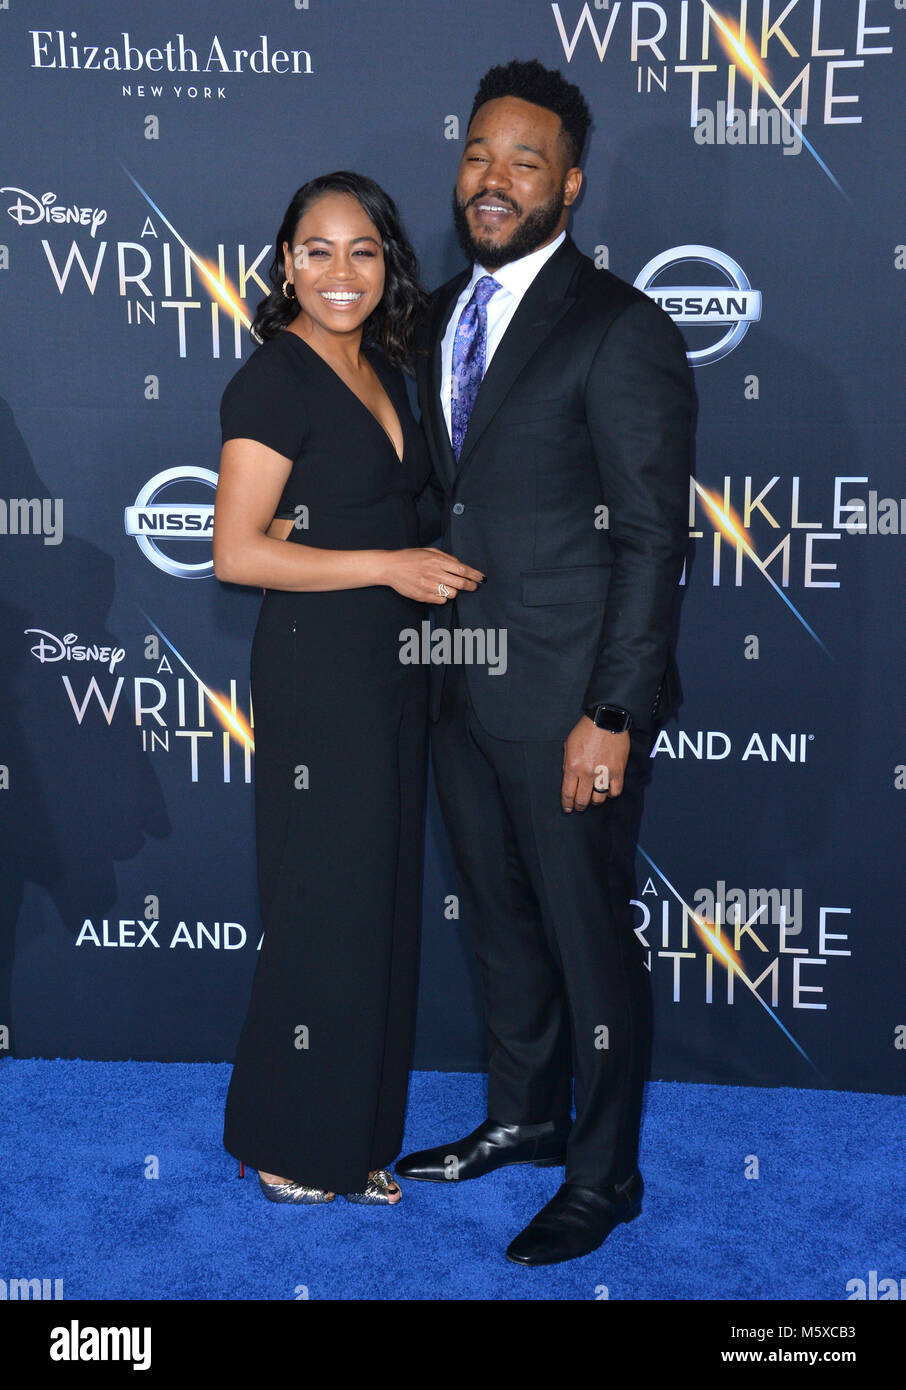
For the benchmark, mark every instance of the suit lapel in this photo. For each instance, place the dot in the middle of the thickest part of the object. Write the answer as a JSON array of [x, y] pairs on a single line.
[[443, 307], [542, 306]]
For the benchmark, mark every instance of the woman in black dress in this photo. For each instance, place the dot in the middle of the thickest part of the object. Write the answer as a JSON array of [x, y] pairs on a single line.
[[324, 500]]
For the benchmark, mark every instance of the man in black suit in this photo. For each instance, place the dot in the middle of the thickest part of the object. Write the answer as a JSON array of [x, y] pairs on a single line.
[[559, 409]]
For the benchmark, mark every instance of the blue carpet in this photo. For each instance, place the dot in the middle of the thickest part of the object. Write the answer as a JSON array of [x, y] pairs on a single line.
[[826, 1208]]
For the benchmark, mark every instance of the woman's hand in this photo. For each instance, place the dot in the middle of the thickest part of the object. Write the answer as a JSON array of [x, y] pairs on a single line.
[[424, 573]]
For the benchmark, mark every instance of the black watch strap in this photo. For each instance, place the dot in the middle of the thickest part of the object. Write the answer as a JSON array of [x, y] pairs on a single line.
[[612, 717]]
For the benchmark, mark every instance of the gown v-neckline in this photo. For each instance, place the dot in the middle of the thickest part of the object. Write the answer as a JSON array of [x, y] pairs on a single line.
[[345, 384]]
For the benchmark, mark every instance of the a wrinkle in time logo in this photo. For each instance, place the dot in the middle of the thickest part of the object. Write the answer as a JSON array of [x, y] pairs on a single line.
[[161, 280], [761, 945], [797, 60], [167, 527], [695, 302], [200, 727]]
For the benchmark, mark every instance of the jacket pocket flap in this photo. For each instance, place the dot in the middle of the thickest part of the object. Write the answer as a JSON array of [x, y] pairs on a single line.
[[576, 584]]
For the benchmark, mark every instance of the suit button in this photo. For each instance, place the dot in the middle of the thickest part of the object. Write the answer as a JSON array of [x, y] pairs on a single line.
[[458, 509]]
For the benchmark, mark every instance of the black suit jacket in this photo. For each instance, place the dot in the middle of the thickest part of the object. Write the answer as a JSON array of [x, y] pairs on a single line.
[[588, 401]]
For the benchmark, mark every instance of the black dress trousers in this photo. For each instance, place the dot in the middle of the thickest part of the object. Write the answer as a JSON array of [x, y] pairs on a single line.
[[547, 897]]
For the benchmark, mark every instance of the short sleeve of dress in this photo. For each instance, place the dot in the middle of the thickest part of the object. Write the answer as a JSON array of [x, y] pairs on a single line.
[[263, 402]]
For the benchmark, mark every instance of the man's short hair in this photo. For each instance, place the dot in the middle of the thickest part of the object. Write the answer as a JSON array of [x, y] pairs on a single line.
[[530, 81]]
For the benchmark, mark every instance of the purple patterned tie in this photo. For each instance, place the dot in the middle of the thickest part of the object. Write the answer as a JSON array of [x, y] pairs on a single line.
[[469, 346]]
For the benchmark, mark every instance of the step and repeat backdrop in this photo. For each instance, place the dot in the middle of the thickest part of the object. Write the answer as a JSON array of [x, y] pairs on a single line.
[[746, 170]]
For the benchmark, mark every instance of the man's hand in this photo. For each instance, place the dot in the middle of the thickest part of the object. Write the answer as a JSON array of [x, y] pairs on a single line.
[[594, 761]]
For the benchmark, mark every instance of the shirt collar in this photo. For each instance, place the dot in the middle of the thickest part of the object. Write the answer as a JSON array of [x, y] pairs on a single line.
[[516, 276]]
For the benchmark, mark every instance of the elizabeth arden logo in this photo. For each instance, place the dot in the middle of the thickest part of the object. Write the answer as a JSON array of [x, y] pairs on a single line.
[[59, 49]]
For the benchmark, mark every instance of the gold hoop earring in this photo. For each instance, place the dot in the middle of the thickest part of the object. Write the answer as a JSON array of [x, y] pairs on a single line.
[[285, 295]]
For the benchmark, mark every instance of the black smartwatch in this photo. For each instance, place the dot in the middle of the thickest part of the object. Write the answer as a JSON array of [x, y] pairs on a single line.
[[612, 717]]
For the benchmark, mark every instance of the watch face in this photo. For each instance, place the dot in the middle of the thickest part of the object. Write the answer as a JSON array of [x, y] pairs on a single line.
[[616, 721]]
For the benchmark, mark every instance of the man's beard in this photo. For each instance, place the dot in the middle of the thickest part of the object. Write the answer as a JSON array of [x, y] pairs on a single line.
[[528, 236]]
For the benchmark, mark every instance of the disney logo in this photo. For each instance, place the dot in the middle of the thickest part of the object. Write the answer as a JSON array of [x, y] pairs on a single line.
[[50, 648], [29, 209]]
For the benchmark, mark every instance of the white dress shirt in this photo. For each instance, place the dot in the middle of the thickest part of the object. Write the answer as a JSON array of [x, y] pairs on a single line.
[[514, 279]]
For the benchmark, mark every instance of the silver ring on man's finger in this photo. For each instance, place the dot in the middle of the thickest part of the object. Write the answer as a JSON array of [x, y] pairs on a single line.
[[443, 591]]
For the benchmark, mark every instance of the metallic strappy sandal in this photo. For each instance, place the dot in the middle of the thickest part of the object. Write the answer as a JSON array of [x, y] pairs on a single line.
[[378, 1191], [294, 1192]]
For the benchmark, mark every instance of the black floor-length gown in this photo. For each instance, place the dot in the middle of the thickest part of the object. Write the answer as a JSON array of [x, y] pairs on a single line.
[[318, 1087]]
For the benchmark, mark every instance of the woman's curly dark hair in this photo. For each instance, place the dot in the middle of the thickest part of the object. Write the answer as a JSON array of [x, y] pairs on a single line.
[[391, 326]]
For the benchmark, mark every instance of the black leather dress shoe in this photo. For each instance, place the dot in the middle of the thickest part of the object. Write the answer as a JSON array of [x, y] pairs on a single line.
[[576, 1221], [490, 1146]]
